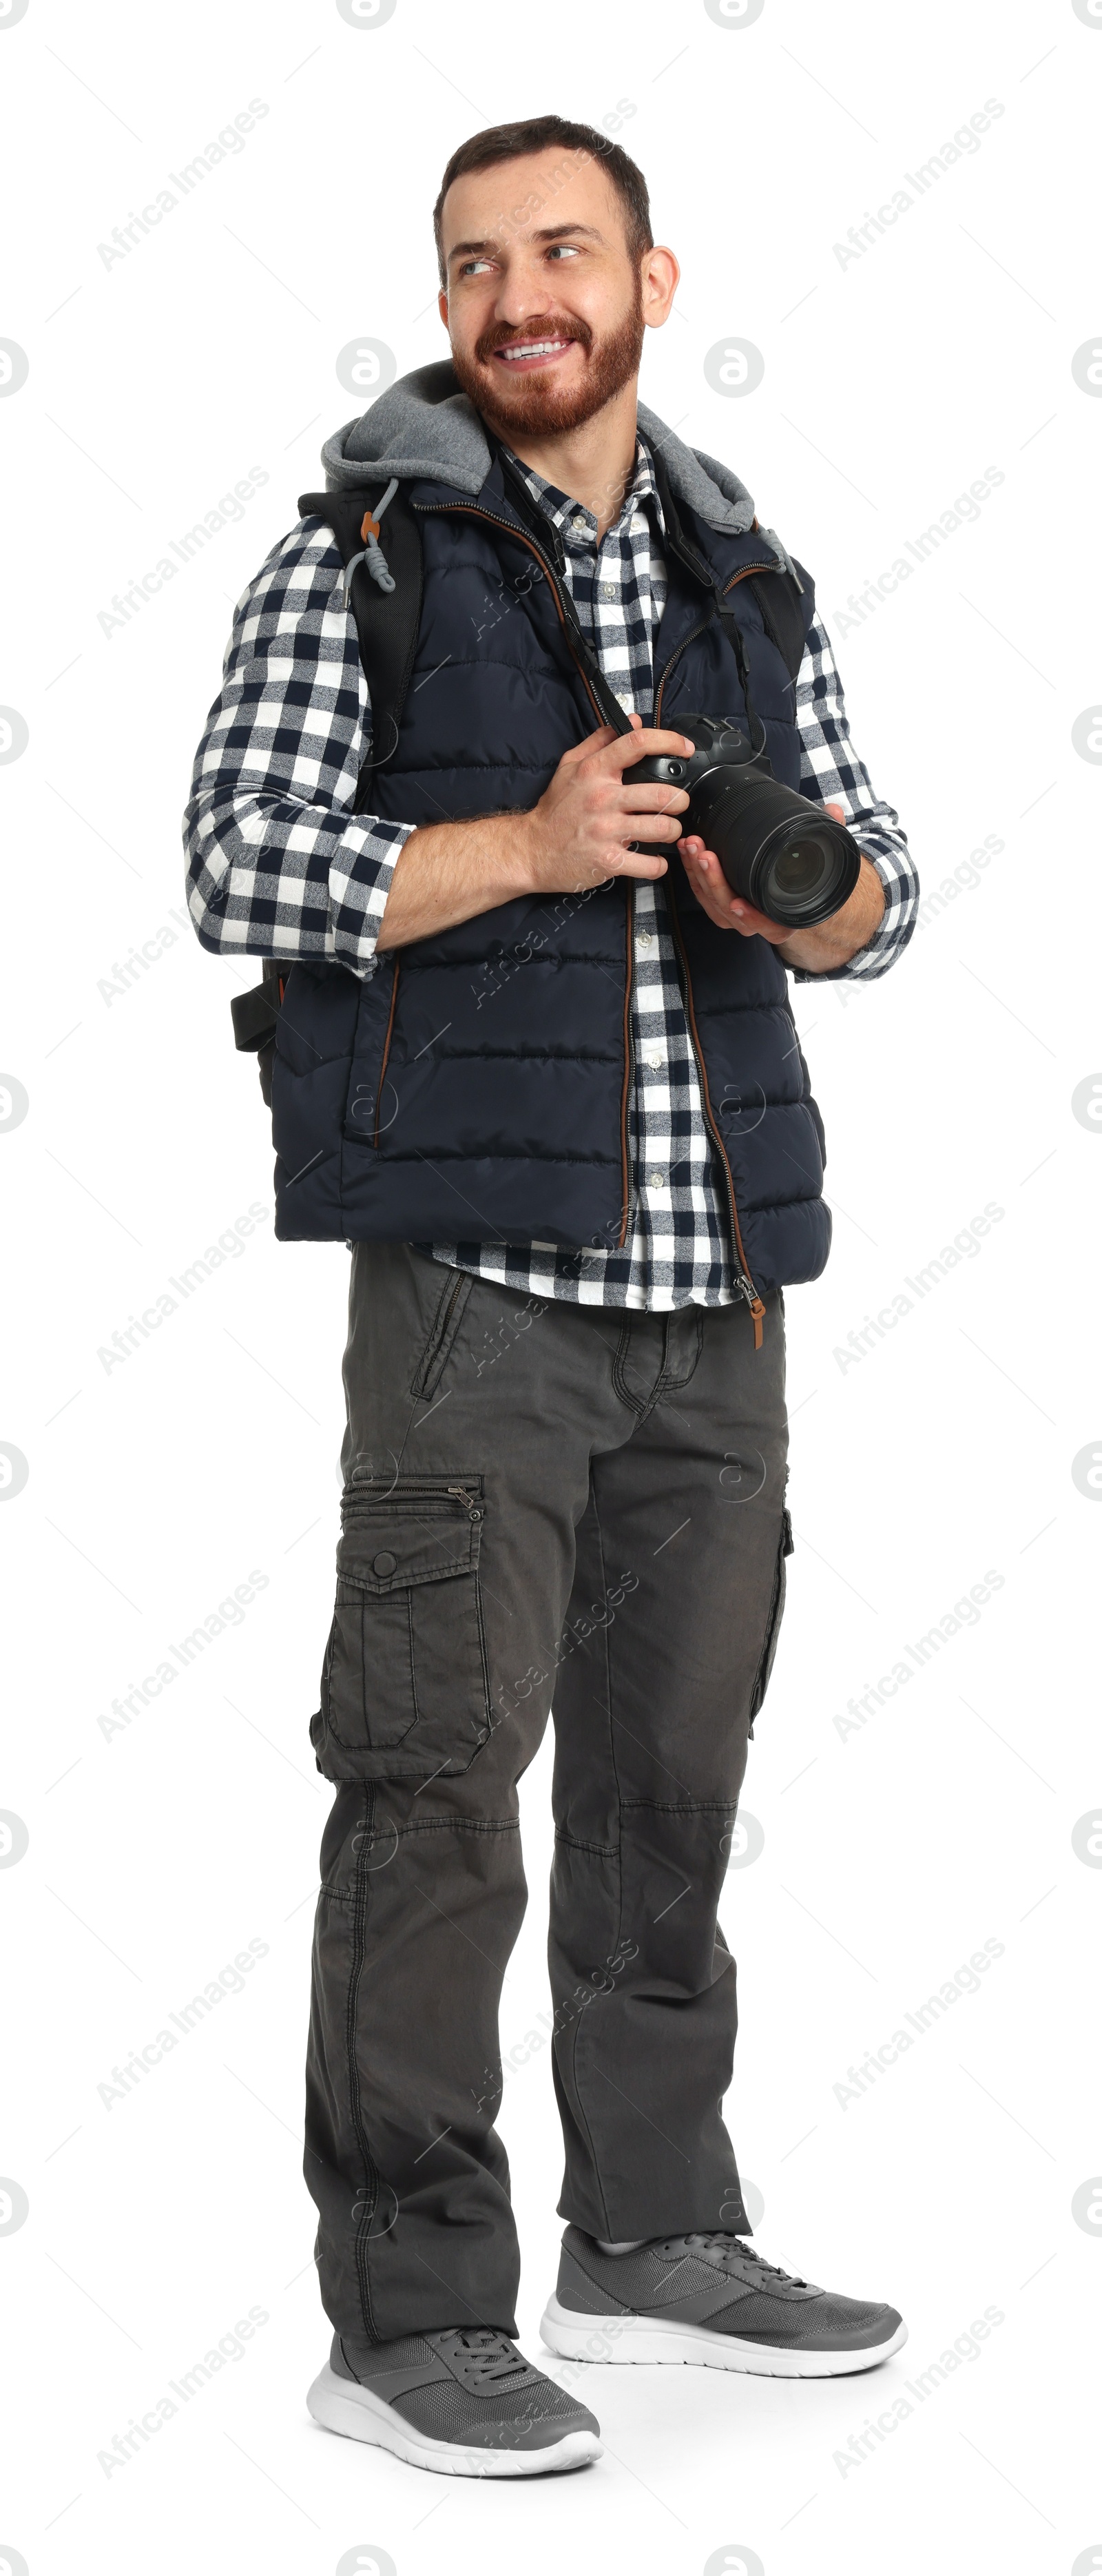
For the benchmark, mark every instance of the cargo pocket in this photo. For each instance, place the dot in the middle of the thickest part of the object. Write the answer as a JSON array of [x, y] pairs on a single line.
[[773, 1625], [404, 1688]]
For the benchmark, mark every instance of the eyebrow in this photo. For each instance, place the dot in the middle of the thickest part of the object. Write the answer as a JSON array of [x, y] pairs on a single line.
[[548, 233]]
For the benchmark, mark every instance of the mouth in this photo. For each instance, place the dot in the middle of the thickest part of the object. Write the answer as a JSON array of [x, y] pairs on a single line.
[[521, 356]]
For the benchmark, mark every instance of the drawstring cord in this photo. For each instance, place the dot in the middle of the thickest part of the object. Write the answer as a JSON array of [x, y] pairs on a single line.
[[372, 554]]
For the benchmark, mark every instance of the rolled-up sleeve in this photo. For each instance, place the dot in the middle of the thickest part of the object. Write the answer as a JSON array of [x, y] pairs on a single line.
[[278, 863], [832, 772]]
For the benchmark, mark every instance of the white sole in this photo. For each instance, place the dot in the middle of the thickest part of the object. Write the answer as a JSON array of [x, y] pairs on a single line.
[[661, 2339], [343, 2406]]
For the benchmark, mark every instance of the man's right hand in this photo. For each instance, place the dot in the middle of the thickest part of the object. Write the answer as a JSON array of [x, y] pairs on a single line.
[[580, 833], [577, 837]]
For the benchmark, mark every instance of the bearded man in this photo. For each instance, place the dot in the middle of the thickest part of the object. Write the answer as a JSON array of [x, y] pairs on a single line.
[[534, 1061]]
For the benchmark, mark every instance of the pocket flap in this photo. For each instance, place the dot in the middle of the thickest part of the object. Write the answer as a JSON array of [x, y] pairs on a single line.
[[392, 1541]]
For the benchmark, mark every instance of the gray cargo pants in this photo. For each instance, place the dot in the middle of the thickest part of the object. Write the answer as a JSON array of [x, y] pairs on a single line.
[[541, 1501]]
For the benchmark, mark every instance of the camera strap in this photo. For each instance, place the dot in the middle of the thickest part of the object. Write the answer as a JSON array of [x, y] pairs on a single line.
[[546, 536], [737, 642]]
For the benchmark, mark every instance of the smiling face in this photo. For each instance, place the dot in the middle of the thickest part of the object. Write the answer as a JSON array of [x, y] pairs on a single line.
[[544, 304]]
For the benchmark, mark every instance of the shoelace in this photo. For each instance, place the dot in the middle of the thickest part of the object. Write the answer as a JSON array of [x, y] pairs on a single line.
[[488, 2354], [701, 2243]]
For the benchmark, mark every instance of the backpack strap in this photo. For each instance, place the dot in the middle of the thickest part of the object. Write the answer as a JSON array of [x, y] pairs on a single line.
[[387, 621], [781, 603]]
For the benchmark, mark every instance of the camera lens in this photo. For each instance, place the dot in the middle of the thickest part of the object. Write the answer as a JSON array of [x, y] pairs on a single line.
[[799, 871], [803, 876]]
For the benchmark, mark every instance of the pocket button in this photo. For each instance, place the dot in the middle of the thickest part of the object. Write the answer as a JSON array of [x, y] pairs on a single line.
[[384, 1564]]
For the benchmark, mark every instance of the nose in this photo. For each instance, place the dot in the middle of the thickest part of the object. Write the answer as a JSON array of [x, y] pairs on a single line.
[[518, 307]]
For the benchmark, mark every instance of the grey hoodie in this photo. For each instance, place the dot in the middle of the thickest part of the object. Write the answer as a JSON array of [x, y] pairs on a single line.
[[425, 427]]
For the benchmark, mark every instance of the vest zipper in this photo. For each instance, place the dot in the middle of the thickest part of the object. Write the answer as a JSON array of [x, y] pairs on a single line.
[[629, 1069], [690, 638], [746, 1286], [440, 509], [755, 1302]]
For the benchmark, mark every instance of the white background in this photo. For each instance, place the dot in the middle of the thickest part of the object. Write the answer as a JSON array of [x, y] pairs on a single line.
[[157, 1485]]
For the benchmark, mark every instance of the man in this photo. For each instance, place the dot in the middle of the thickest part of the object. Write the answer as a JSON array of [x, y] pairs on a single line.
[[537, 1064]]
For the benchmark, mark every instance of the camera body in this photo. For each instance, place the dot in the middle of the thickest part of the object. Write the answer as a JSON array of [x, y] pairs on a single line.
[[779, 851]]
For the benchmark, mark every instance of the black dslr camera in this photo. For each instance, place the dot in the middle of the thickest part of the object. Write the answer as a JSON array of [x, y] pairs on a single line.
[[778, 851]]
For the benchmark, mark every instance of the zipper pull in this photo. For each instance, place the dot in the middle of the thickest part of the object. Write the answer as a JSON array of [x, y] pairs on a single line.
[[462, 1496], [756, 1305]]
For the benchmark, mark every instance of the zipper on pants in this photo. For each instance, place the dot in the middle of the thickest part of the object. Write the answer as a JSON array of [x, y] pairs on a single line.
[[427, 1489]]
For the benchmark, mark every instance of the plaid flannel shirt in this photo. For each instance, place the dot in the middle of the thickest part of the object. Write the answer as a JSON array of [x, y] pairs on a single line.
[[279, 866]]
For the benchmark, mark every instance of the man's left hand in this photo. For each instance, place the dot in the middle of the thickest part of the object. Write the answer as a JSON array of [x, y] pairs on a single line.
[[829, 943]]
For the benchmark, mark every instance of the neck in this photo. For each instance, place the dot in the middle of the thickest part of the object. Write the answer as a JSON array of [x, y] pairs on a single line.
[[592, 464]]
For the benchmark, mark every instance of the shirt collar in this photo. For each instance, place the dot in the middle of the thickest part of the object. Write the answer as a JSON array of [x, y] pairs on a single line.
[[577, 526]]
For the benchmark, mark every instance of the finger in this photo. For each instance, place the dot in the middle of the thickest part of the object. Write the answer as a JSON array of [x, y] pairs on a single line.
[[706, 876], [651, 827], [711, 883], [710, 886], [695, 854], [626, 862], [644, 744], [838, 811], [598, 741], [709, 901], [648, 798]]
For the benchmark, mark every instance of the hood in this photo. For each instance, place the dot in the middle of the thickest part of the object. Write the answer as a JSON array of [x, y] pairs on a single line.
[[424, 427]]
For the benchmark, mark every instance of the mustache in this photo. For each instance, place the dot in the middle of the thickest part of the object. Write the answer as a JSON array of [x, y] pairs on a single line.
[[501, 335]]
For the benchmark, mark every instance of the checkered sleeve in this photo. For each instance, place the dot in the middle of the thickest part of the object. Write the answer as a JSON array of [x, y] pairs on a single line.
[[278, 864], [831, 771]]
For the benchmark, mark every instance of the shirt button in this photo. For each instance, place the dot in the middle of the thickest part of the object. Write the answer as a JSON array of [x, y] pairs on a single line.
[[609, 590], [646, 939], [658, 1180], [384, 1564]]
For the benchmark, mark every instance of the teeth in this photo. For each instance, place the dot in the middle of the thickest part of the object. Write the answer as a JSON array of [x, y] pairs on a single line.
[[534, 348]]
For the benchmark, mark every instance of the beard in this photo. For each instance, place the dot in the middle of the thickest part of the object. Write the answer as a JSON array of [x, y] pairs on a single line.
[[534, 405]]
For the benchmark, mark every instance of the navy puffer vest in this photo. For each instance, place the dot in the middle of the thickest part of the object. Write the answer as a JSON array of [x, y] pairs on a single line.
[[476, 1087]]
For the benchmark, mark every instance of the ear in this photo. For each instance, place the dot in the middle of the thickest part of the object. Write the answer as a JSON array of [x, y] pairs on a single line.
[[442, 306], [660, 278]]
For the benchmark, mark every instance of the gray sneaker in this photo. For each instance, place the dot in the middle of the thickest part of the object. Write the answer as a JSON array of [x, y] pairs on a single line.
[[462, 2400], [710, 2299]]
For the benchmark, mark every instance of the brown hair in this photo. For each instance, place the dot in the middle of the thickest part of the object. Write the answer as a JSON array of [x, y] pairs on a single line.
[[536, 134]]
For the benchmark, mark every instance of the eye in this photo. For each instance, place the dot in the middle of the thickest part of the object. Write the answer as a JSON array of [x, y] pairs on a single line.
[[563, 250], [470, 267]]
